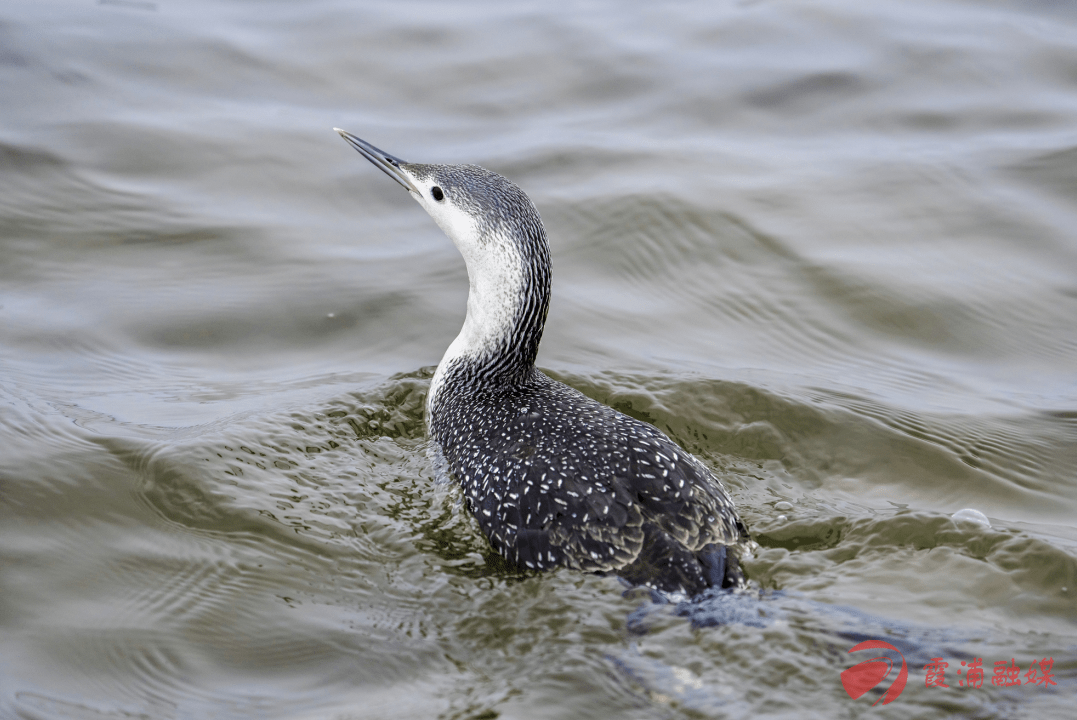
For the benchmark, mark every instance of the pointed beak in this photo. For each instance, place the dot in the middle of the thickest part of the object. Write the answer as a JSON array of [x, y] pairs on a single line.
[[382, 160]]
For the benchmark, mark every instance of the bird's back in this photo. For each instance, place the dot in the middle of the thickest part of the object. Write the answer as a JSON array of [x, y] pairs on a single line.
[[556, 478]]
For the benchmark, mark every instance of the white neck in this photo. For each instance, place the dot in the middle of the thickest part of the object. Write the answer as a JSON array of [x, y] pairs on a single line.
[[496, 272]]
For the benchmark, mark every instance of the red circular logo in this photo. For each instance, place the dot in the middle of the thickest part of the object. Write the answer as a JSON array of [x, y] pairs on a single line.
[[862, 677]]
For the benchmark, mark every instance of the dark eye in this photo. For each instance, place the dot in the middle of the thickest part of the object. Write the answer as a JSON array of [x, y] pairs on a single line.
[[436, 192]]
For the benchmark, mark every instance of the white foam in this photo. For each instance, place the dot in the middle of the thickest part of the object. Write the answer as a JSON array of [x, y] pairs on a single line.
[[970, 516]]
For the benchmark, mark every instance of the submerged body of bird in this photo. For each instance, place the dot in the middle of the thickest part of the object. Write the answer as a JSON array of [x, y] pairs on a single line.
[[553, 477]]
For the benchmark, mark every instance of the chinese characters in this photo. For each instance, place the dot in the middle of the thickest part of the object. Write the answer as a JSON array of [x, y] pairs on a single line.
[[1007, 674]]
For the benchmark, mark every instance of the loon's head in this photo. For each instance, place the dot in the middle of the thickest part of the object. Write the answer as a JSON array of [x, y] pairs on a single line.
[[481, 211]]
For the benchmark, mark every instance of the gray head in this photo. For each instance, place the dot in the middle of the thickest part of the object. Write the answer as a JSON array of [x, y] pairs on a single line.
[[473, 205]]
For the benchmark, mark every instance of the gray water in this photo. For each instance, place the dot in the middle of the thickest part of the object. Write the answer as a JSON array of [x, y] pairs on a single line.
[[830, 248]]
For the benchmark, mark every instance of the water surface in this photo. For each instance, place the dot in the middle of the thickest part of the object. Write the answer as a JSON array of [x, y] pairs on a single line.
[[829, 250]]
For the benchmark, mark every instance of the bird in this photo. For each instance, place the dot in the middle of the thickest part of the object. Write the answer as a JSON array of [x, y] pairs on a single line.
[[553, 477]]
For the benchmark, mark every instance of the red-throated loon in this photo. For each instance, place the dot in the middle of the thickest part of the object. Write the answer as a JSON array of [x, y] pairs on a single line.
[[552, 476]]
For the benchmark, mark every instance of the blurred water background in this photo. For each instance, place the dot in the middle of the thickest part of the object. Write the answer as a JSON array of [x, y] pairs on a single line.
[[831, 248]]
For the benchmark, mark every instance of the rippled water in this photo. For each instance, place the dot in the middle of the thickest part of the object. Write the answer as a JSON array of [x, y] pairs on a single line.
[[830, 249]]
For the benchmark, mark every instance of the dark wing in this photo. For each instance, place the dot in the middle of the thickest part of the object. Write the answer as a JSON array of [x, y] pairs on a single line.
[[569, 481], [548, 497]]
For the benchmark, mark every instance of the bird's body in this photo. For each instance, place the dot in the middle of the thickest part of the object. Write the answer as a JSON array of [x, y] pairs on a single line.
[[553, 477]]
